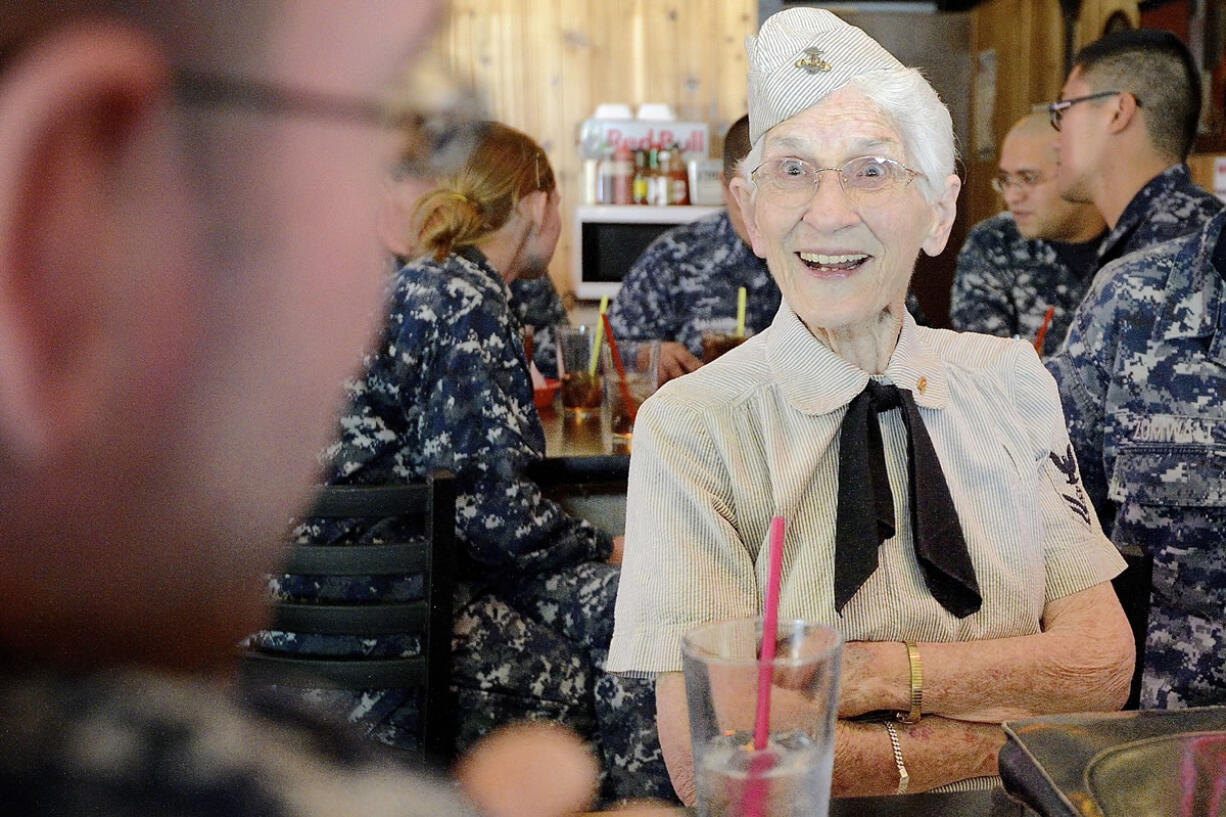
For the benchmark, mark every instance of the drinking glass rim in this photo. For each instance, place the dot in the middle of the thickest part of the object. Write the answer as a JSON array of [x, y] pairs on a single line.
[[690, 650]]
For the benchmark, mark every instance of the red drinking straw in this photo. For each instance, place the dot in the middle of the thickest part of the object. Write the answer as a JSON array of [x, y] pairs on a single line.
[[631, 407], [1042, 333], [755, 785]]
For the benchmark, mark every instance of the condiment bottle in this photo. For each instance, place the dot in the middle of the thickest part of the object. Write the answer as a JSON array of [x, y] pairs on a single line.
[[679, 183], [604, 177], [623, 174], [654, 179], [659, 180], [638, 189]]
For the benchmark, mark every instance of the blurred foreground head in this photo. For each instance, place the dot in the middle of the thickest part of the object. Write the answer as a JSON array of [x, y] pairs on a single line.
[[188, 270]]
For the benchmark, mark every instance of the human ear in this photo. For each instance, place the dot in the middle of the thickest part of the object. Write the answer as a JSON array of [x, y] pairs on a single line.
[[532, 208], [1125, 108], [71, 105], [739, 188], [945, 209]]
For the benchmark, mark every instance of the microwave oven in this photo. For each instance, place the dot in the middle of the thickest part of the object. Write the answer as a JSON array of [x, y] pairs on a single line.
[[608, 239]]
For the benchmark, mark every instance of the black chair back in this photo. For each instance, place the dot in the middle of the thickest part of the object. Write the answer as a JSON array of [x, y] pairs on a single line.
[[433, 556]]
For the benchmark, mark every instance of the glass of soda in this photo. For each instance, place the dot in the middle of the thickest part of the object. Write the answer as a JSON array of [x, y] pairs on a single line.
[[626, 388], [581, 381], [715, 344]]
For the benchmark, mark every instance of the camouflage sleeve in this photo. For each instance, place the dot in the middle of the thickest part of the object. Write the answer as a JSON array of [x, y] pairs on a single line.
[[537, 304], [979, 300], [1082, 369], [643, 308], [475, 422], [507, 522]]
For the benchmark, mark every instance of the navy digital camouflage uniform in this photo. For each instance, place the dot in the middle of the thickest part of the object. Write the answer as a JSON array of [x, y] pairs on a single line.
[[1004, 284], [536, 303], [448, 387], [1143, 377], [131, 742], [1168, 206], [686, 281]]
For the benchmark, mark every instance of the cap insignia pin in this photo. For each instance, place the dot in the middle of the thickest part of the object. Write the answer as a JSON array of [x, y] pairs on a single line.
[[812, 61]]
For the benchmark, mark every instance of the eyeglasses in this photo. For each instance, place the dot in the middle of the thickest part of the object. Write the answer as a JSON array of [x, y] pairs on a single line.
[[439, 128], [794, 181], [1055, 110], [1022, 180]]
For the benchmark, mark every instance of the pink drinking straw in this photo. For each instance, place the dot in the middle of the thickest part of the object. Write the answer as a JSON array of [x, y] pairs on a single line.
[[755, 786], [770, 624]]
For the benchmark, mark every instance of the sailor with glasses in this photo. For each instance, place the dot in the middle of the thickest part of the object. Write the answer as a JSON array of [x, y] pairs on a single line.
[[1141, 374], [1125, 121], [1038, 255], [933, 510]]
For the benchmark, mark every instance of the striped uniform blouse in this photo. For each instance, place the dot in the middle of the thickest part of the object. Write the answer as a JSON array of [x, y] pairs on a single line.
[[719, 451]]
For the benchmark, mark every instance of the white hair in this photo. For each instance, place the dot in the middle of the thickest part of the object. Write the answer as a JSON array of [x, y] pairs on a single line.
[[911, 105]]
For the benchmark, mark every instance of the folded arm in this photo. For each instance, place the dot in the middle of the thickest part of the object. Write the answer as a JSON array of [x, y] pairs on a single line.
[[936, 750], [1081, 661]]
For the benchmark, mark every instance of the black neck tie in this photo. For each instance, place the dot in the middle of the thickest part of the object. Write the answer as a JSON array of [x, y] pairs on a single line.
[[866, 506]]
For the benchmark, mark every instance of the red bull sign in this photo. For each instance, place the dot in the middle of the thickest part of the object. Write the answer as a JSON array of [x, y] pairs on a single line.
[[599, 135]]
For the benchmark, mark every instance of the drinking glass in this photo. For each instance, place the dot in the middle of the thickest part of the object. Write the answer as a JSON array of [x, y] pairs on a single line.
[[581, 387], [715, 344], [790, 777], [627, 388]]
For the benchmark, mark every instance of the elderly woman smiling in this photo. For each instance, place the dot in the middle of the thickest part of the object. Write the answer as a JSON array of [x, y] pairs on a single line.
[[935, 514]]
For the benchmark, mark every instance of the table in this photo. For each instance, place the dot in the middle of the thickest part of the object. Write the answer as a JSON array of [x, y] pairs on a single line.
[[580, 470], [572, 437], [993, 803]]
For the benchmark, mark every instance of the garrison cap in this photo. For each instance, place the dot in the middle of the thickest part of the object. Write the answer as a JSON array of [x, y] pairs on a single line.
[[799, 57]]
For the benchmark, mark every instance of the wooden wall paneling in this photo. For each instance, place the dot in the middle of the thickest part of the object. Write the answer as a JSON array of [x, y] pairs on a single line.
[[522, 37], [734, 21], [457, 38], [484, 49], [1094, 16], [545, 65], [571, 90], [1046, 51], [1088, 24], [540, 54], [697, 74], [663, 54], [1028, 38], [1201, 167], [1003, 26], [611, 28]]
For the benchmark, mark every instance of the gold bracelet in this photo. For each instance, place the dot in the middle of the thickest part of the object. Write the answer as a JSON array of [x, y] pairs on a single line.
[[904, 777], [917, 685]]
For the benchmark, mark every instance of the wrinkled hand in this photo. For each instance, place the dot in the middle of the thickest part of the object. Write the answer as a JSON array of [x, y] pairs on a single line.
[[529, 770], [675, 360], [619, 549], [862, 683]]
